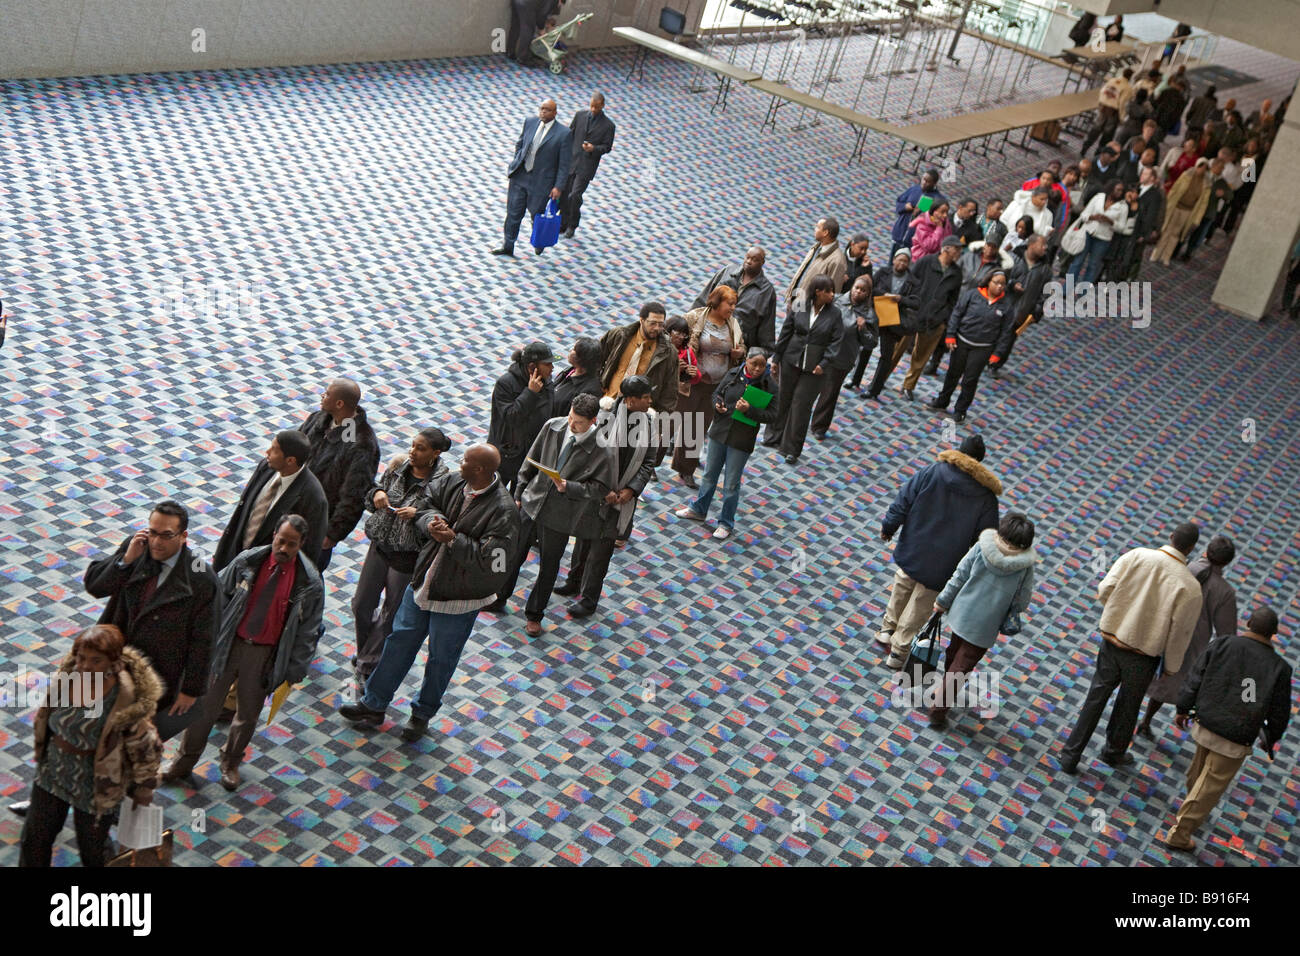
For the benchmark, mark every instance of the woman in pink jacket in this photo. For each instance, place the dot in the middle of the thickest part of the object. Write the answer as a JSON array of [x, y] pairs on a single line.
[[931, 229]]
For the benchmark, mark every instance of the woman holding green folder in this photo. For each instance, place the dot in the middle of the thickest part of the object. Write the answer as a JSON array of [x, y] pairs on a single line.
[[743, 400]]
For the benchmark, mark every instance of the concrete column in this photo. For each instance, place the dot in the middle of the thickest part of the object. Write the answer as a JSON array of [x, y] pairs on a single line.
[[1267, 231]]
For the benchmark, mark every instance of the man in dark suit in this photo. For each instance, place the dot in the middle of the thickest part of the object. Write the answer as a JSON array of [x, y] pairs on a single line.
[[537, 172], [552, 509], [162, 596], [593, 136], [282, 484], [1150, 217]]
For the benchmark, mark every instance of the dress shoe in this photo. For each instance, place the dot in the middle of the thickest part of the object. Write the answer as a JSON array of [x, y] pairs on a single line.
[[906, 393], [181, 770], [1144, 730], [539, 249], [938, 721], [230, 778], [870, 397], [359, 713], [772, 443], [503, 251], [932, 370], [415, 728], [934, 406], [959, 417], [567, 234], [569, 588], [1123, 760], [1070, 766], [997, 374], [689, 481], [533, 628], [792, 459], [819, 435], [580, 609], [20, 808], [1182, 847], [496, 607]]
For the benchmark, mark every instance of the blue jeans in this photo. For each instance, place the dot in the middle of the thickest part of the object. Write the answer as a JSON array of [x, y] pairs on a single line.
[[447, 634], [716, 455], [1094, 254]]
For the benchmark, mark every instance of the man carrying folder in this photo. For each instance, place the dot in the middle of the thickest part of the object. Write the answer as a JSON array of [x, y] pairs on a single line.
[[743, 400], [562, 484]]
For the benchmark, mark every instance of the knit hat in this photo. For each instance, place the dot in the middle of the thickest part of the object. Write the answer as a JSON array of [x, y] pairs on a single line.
[[972, 445], [904, 253]]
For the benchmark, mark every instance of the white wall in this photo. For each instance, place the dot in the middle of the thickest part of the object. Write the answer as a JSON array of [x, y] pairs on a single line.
[[90, 37]]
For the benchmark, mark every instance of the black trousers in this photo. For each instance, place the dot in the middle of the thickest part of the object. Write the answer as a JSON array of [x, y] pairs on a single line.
[[937, 355], [527, 536], [523, 27], [824, 412], [45, 818], [967, 365], [890, 336], [551, 545], [1131, 672], [571, 201], [798, 390], [860, 369], [589, 564]]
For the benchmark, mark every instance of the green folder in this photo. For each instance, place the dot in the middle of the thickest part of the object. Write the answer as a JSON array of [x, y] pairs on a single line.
[[924, 203], [757, 398]]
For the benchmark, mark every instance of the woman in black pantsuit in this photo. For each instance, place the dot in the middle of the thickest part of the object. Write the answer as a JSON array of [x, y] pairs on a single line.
[[806, 338]]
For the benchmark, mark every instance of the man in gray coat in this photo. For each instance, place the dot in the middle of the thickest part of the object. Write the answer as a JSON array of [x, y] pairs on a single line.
[[270, 623], [562, 500]]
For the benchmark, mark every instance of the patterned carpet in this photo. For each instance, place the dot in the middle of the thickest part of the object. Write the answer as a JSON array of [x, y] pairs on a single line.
[[727, 705]]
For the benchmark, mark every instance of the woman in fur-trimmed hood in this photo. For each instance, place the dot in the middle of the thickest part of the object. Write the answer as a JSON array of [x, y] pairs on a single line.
[[991, 586], [94, 746]]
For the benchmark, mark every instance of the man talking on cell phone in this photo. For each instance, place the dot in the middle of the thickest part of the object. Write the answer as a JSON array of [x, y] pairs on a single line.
[[593, 137]]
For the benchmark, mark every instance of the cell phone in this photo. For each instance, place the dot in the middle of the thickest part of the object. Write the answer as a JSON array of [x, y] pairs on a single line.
[[391, 508]]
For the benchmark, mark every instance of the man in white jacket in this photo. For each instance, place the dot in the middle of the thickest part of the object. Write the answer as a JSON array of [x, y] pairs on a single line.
[[1034, 204], [1150, 603]]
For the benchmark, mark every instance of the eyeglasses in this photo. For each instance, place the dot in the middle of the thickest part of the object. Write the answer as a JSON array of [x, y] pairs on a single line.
[[165, 535]]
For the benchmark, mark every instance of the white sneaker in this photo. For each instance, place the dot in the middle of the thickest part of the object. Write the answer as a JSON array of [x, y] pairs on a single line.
[[895, 662], [885, 637], [721, 532], [685, 511]]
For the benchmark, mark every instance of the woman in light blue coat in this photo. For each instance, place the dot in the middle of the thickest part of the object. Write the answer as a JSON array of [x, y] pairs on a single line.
[[994, 581]]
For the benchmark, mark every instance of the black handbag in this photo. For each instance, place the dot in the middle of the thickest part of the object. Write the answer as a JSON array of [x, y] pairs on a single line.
[[926, 651]]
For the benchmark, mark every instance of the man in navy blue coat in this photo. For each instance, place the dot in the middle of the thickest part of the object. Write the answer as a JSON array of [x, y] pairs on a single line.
[[942, 510], [537, 172]]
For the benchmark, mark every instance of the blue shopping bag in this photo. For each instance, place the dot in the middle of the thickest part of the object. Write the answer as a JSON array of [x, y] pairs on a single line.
[[546, 227]]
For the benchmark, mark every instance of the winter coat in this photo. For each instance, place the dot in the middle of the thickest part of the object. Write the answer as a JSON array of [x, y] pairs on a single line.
[[855, 339], [344, 459], [297, 644], [987, 587], [820, 261], [662, 370], [978, 321], [725, 429], [974, 268], [569, 386], [755, 304], [942, 509], [588, 473], [476, 562], [1198, 210], [1022, 205], [1214, 691], [174, 629], [1117, 213], [637, 453], [926, 302], [1150, 603], [927, 234], [518, 413], [1218, 619], [391, 534], [129, 750], [304, 498]]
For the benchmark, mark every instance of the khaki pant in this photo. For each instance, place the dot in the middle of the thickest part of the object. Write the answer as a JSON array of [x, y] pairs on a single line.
[[923, 346], [1209, 776], [910, 606], [249, 662]]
